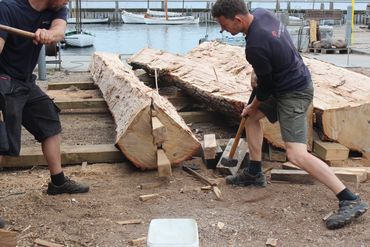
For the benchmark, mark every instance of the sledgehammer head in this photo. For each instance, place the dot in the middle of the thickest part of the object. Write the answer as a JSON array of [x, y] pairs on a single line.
[[225, 161]]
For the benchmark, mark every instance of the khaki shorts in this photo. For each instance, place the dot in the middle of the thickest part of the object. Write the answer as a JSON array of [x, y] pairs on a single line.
[[290, 110]]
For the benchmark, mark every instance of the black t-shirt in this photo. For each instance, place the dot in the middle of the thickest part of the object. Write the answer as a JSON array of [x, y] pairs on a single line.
[[19, 56], [270, 51]]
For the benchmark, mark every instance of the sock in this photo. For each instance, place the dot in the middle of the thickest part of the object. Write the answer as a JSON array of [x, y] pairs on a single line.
[[346, 195], [254, 167], [58, 179]]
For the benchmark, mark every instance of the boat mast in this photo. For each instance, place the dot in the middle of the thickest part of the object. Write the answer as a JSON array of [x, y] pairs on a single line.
[[166, 9]]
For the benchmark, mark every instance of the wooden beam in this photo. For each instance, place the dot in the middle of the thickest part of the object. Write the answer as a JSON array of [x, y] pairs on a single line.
[[159, 131], [32, 156], [330, 150], [313, 31], [8, 238], [276, 154], [293, 176], [164, 164], [210, 146], [82, 85], [81, 104]]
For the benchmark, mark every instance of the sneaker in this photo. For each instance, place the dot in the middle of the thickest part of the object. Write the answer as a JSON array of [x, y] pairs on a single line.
[[2, 223], [348, 211], [245, 178], [69, 187]]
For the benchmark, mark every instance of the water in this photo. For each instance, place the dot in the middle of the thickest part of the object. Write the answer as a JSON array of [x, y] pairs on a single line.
[[131, 38]]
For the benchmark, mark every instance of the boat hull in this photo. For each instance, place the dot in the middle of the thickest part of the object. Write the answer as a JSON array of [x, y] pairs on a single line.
[[79, 39]]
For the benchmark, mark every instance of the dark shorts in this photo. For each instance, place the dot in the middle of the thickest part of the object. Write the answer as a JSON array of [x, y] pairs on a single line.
[[290, 110], [31, 107]]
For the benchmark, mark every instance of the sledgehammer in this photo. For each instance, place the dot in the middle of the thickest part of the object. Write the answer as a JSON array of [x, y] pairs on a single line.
[[230, 161]]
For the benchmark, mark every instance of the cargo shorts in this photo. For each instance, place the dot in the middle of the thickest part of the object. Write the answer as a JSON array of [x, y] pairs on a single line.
[[290, 109], [28, 106]]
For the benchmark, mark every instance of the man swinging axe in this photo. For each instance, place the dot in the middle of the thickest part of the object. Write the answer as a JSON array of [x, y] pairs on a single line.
[[284, 93]]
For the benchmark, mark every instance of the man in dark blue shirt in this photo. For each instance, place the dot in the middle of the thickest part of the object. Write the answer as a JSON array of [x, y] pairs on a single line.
[[284, 92], [22, 101]]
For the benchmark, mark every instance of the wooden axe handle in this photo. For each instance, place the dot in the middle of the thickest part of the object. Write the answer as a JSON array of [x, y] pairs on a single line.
[[240, 129], [17, 31]]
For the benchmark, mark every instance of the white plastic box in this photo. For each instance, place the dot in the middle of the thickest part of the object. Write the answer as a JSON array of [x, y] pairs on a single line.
[[173, 232]]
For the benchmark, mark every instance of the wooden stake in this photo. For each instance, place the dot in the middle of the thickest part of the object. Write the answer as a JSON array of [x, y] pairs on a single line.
[[159, 131], [164, 164]]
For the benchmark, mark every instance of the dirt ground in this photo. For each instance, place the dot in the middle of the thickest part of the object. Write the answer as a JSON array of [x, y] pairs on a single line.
[[290, 213]]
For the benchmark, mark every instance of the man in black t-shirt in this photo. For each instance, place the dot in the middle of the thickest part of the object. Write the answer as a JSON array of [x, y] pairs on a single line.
[[284, 92], [22, 101]]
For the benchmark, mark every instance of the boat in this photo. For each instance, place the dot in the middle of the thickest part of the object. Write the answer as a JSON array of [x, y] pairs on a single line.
[[171, 20], [78, 37], [152, 17], [158, 18], [89, 21]]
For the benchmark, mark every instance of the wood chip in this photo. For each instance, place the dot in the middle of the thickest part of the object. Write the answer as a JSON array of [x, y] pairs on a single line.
[[148, 197], [129, 222], [46, 243], [271, 242], [138, 241]]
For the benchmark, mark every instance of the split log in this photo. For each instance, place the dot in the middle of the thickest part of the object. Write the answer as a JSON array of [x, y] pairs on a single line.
[[131, 104], [341, 103]]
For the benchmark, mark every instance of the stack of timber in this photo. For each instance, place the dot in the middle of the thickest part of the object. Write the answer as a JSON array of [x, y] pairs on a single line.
[[133, 106], [219, 76]]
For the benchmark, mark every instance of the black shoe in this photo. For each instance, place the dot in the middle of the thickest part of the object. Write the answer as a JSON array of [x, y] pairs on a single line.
[[245, 178], [2, 223], [69, 187], [348, 211]]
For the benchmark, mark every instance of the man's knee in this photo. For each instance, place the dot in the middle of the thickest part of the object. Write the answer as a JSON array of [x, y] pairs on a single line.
[[296, 155]]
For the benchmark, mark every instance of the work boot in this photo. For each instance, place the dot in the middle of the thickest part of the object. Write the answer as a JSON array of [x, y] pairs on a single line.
[[245, 178], [347, 212], [69, 187], [2, 223]]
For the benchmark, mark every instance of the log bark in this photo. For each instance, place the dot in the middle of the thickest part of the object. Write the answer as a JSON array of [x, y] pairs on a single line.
[[341, 102], [131, 104]]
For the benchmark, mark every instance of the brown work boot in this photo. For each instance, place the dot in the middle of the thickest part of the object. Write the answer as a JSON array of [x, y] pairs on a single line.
[[245, 178], [69, 187]]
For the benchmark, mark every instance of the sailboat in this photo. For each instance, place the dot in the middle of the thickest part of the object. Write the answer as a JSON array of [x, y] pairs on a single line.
[[158, 17], [79, 38]]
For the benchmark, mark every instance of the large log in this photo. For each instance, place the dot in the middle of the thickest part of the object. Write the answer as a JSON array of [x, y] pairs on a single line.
[[341, 102], [132, 105], [214, 73]]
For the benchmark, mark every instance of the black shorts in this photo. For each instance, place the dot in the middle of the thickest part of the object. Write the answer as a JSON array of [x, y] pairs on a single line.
[[31, 107]]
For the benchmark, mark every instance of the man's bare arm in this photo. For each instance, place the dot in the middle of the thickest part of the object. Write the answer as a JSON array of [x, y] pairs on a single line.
[[52, 35]]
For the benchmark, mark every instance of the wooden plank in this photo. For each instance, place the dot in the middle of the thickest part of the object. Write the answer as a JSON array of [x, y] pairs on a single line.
[[8, 238], [210, 146], [32, 156], [46, 243], [348, 174], [81, 103], [313, 31], [82, 85], [164, 164], [240, 154], [330, 150], [159, 131], [292, 176], [138, 241]]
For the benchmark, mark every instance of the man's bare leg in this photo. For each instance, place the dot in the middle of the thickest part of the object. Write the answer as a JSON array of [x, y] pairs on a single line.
[[298, 155], [51, 150]]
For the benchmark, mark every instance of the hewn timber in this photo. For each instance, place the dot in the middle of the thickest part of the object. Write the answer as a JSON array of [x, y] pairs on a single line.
[[222, 82], [341, 101], [131, 104]]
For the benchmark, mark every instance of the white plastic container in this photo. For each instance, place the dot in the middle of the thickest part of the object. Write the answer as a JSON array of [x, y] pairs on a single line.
[[173, 232]]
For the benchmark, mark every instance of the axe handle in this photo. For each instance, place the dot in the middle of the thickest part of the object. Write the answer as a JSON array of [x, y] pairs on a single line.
[[17, 31], [240, 129]]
